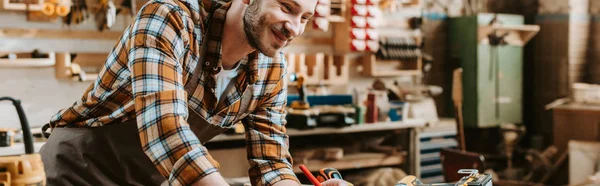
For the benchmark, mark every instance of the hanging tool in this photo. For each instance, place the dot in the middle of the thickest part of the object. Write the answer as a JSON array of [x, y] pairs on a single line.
[[303, 102], [26, 169], [128, 5], [106, 15], [56, 7], [78, 13]]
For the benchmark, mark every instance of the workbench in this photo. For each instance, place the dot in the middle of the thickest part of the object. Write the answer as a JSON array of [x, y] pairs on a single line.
[[232, 158], [575, 121], [234, 163]]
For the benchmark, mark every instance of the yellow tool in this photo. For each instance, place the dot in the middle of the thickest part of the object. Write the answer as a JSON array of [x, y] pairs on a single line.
[[330, 173], [26, 169], [301, 104]]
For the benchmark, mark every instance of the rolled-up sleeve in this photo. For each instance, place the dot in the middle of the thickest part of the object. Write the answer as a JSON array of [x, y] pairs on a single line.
[[267, 144], [158, 42]]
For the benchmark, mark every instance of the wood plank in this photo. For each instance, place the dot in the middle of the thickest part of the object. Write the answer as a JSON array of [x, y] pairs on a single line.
[[58, 34], [19, 63], [370, 63], [113, 35], [369, 127], [355, 161], [394, 73]]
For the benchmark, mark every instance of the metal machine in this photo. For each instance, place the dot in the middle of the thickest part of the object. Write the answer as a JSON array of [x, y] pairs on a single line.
[[473, 179], [26, 169]]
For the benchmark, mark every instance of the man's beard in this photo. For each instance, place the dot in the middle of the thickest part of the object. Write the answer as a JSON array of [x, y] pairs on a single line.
[[254, 25]]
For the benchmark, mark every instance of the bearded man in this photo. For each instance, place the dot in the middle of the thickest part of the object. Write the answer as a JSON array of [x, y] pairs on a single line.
[[183, 72]]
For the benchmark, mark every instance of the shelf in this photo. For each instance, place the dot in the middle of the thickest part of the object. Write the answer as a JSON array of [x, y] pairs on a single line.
[[371, 63], [18, 63], [369, 127], [21, 5], [438, 144], [394, 73], [517, 35], [354, 161], [93, 41]]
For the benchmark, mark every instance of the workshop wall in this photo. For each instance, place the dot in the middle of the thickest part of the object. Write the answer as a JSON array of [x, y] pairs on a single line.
[[39, 111], [563, 52], [40, 93], [43, 95], [435, 31]]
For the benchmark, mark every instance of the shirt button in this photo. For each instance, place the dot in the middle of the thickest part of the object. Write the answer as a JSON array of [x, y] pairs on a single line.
[[207, 63]]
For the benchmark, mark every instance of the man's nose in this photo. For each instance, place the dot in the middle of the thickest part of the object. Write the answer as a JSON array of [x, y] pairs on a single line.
[[294, 29]]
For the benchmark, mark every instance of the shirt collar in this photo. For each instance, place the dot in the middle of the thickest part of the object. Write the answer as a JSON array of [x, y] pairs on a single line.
[[214, 36]]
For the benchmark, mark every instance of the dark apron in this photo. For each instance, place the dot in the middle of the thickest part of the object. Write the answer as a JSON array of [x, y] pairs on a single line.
[[112, 154]]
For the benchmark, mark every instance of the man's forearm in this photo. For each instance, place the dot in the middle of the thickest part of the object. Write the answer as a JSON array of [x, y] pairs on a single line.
[[211, 179], [286, 183]]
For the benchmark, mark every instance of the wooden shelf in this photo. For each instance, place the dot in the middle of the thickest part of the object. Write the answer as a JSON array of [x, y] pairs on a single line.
[[369, 127], [354, 161], [18, 63], [518, 35], [394, 73], [20, 60], [370, 63], [92, 41]]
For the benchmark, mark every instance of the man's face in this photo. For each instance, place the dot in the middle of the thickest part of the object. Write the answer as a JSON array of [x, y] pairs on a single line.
[[271, 25]]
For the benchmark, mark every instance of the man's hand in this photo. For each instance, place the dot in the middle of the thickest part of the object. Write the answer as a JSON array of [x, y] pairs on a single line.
[[331, 182], [335, 182], [211, 179]]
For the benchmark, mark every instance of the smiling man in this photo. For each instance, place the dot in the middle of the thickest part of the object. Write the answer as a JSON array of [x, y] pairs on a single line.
[[183, 72]]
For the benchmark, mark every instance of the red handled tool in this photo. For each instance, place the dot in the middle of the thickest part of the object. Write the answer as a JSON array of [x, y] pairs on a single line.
[[310, 176]]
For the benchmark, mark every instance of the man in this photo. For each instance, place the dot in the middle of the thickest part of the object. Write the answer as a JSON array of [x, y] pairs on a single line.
[[182, 73]]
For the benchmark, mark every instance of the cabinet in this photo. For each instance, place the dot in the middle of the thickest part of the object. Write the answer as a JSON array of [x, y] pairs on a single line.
[[432, 140], [492, 75]]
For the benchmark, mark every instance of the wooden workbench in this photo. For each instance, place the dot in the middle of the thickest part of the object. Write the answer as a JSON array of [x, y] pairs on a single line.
[[575, 121], [234, 164]]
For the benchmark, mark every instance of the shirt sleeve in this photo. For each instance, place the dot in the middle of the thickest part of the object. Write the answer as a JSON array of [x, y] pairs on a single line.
[[267, 145], [157, 45]]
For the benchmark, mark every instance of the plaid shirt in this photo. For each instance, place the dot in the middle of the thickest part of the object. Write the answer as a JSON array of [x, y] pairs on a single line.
[[144, 78]]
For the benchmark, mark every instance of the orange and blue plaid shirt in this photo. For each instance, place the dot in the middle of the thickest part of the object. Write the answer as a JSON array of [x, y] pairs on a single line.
[[144, 78]]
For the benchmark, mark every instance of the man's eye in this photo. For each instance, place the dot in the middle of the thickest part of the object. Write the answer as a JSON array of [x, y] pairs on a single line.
[[287, 7]]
